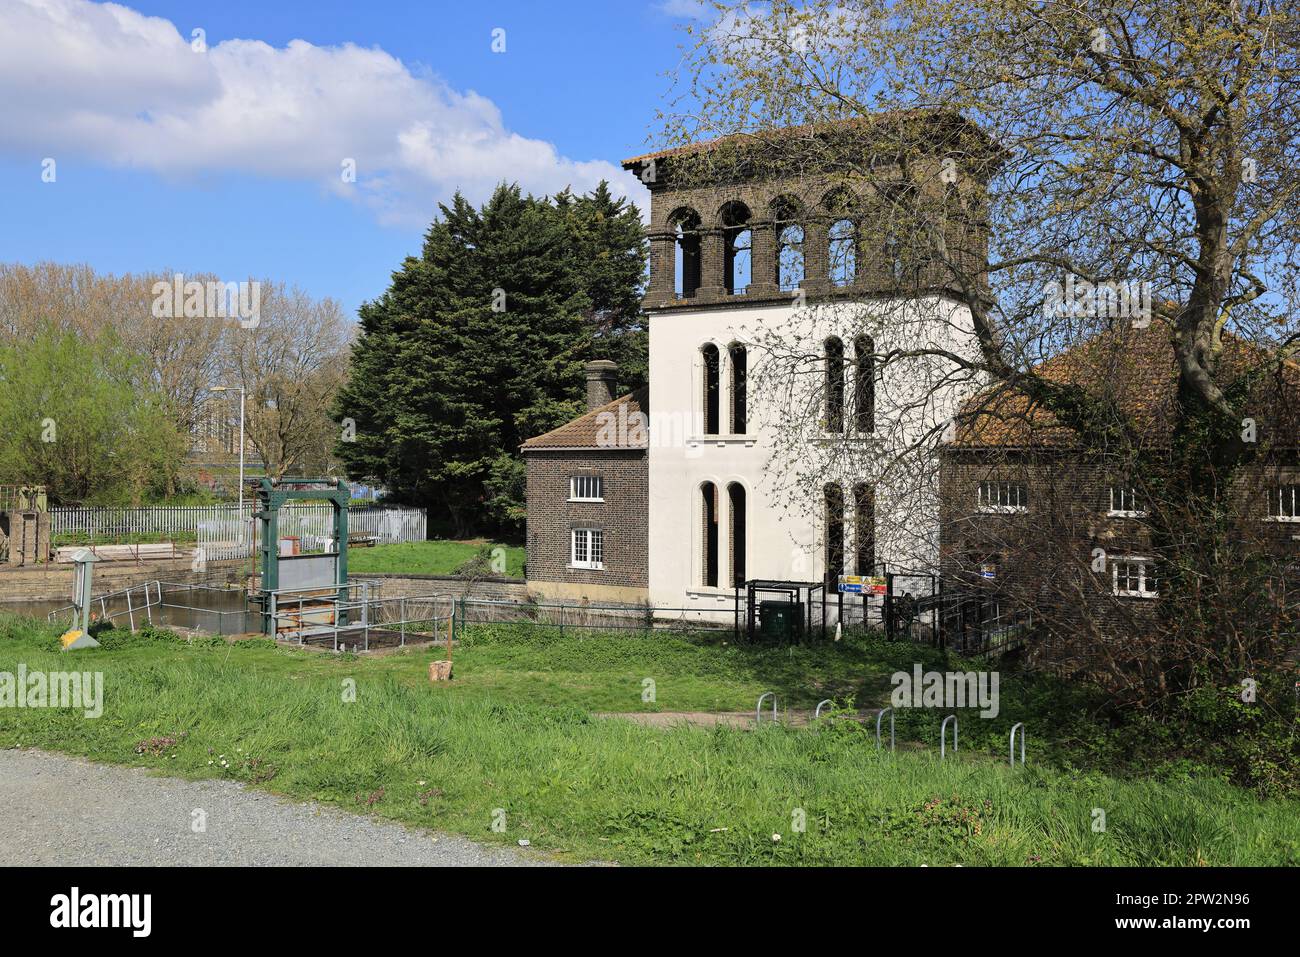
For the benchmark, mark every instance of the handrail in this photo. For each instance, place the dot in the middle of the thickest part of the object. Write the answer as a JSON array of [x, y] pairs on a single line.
[[103, 601]]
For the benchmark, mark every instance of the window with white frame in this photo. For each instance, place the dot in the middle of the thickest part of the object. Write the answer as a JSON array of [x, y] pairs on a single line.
[[588, 548], [1003, 497], [1284, 503], [586, 488], [1134, 577], [1124, 502]]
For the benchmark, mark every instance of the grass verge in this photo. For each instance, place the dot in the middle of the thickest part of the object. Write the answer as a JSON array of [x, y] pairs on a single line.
[[514, 734], [442, 557]]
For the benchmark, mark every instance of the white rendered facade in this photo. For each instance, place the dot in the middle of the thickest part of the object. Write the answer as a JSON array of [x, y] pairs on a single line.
[[784, 458]]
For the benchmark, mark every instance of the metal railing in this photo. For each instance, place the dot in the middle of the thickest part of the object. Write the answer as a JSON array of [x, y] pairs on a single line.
[[228, 621], [642, 618], [139, 599], [308, 619]]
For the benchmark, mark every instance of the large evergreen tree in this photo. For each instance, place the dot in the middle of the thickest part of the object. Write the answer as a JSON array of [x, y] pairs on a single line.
[[608, 242], [479, 343]]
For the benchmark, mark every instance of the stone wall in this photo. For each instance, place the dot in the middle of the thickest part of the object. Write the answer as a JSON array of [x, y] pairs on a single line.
[[54, 582], [406, 586]]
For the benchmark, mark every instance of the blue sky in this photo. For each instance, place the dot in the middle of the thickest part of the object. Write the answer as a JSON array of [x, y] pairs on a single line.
[[227, 158]]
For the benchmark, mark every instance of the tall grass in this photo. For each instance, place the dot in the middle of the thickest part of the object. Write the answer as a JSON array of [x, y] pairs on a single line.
[[454, 758]]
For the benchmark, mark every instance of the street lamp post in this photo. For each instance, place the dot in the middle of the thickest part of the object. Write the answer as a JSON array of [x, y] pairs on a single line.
[[226, 388]]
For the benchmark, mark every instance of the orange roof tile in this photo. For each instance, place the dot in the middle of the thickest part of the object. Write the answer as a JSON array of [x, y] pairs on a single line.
[[611, 426], [1136, 370]]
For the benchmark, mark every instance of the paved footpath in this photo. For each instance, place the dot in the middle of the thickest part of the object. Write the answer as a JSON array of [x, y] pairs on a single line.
[[58, 810]]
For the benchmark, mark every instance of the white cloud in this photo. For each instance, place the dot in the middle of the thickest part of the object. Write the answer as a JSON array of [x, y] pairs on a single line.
[[82, 81]]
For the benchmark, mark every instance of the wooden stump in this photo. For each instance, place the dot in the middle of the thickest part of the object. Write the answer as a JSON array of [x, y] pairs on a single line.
[[440, 671]]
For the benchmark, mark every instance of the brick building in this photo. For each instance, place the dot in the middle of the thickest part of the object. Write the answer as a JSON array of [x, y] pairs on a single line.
[[1034, 527], [587, 496]]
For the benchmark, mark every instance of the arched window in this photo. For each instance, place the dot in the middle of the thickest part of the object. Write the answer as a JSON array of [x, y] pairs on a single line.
[[864, 384], [894, 256], [736, 501], [789, 257], [834, 498], [843, 252], [901, 217], [709, 534], [864, 529], [686, 254], [834, 385], [741, 271], [739, 382], [738, 268], [712, 372]]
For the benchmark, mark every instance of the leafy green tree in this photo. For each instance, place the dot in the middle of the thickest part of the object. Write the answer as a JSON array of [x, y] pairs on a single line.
[[1008, 150], [609, 247], [479, 344], [84, 418]]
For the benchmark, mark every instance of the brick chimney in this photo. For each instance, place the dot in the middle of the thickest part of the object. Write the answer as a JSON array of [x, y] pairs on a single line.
[[602, 383]]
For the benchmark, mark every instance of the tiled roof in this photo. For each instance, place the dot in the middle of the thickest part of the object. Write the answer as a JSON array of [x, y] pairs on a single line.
[[1135, 369], [598, 430]]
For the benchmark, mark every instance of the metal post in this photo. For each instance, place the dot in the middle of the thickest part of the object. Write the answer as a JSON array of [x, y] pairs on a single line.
[[735, 631], [940, 623], [242, 442], [758, 710], [365, 613], [818, 713], [401, 614], [1021, 726], [130, 615], [341, 506], [889, 605], [943, 735], [880, 715]]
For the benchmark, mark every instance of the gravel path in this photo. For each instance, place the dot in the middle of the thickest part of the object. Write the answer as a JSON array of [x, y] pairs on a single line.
[[57, 810]]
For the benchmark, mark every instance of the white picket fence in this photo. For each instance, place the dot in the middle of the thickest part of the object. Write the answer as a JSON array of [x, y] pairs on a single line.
[[221, 533]]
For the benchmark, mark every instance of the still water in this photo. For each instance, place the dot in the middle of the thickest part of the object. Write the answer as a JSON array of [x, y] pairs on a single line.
[[217, 611]]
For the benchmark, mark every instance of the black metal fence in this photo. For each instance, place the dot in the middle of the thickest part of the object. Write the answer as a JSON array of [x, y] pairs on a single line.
[[580, 616]]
